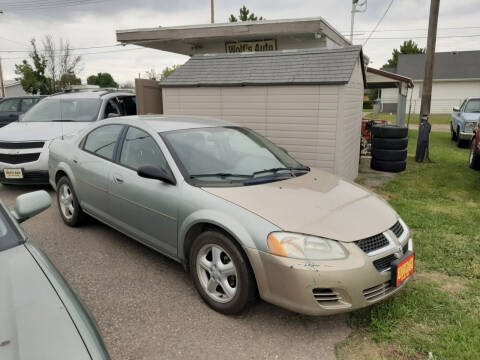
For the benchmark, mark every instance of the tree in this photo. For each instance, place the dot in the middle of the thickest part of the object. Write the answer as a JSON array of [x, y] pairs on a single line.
[[167, 71], [151, 74], [104, 80], [127, 85], [244, 15], [408, 47], [33, 78], [50, 70]]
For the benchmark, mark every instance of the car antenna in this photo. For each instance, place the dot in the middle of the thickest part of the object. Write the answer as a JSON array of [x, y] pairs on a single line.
[[61, 118]]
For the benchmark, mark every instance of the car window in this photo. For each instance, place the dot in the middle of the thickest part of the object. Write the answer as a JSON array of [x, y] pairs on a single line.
[[9, 105], [9, 237], [473, 106], [102, 140], [26, 104], [139, 149], [128, 105], [57, 109], [112, 108], [463, 104]]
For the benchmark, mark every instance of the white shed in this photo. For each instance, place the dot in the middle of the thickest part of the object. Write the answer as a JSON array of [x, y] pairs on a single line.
[[307, 101]]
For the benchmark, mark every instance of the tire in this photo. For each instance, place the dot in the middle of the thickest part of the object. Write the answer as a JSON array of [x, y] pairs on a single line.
[[68, 204], [460, 142], [389, 155], [474, 158], [241, 285], [453, 134], [389, 166], [390, 131], [389, 144]]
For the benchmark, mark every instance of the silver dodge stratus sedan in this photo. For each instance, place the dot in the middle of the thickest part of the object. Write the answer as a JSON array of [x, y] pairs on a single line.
[[237, 211]]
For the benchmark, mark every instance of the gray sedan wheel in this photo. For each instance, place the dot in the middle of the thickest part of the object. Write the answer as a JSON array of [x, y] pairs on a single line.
[[68, 205], [221, 273]]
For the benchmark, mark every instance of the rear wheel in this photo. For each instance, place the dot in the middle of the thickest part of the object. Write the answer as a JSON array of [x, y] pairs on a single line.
[[474, 158], [221, 273], [68, 205], [453, 134]]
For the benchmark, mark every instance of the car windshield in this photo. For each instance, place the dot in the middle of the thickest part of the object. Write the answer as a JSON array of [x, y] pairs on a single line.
[[57, 109], [473, 106], [9, 236], [231, 155]]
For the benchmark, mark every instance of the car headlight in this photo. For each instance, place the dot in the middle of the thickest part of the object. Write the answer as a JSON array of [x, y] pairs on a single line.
[[300, 246]]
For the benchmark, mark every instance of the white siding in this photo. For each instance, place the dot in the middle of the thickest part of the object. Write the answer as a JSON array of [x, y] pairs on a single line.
[[445, 95], [302, 119]]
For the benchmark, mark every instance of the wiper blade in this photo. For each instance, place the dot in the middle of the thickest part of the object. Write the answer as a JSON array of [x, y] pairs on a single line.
[[222, 175], [63, 120], [275, 170]]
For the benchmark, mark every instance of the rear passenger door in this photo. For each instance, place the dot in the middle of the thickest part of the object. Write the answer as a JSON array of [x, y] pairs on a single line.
[[92, 165], [145, 209]]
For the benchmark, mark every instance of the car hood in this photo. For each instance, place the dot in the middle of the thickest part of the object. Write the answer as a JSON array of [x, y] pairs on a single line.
[[33, 131], [471, 116], [34, 321], [317, 203]]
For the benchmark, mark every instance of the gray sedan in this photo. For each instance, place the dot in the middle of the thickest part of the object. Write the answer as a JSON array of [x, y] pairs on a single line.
[[240, 213], [40, 316]]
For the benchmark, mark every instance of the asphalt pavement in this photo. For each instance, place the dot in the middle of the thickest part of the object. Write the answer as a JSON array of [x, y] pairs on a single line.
[[147, 308]]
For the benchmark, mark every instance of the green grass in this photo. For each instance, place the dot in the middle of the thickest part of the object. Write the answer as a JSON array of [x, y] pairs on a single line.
[[392, 118], [438, 312]]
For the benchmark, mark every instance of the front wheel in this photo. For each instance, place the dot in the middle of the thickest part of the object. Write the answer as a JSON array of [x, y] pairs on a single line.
[[474, 158], [68, 205], [453, 134], [459, 141], [221, 273]]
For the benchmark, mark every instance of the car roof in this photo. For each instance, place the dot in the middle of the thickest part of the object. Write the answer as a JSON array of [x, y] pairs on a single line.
[[94, 94], [22, 97], [164, 123]]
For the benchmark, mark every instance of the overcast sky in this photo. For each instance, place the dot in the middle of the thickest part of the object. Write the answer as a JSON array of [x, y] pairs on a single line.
[[94, 23]]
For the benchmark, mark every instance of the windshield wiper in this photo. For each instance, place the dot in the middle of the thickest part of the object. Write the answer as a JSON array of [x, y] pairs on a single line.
[[276, 170], [63, 120], [220, 174]]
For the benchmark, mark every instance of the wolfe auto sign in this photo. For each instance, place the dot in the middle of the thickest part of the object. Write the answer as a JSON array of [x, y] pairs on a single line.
[[250, 46]]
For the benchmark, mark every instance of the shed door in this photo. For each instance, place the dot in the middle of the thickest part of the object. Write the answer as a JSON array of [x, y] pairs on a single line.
[[149, 97]]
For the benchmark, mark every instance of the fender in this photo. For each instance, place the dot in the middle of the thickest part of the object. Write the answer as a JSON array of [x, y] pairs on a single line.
[[63, 166], [217, 218]]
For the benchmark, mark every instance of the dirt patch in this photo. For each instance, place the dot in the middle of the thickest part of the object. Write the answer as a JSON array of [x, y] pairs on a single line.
[[372, 179]]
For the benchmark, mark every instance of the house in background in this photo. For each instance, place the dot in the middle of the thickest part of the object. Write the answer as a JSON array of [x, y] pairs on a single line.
[[456, 77], [13, 88]]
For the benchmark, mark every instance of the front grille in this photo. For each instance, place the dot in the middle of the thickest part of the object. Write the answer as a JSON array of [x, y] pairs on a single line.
[[22, 145], [326, 297], [18, 158], [397, 229], [372, 243], [384, 263], [469, 126], [378, 291]]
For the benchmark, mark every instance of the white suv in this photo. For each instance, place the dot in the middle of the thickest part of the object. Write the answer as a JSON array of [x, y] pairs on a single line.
[[24, 144]]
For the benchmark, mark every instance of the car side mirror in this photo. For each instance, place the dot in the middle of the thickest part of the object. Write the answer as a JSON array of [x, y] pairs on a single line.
[[112, 115], [157, 173], [456, 108], [30, 204]]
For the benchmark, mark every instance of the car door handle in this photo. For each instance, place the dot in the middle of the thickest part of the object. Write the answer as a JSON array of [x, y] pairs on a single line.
[[75, 160], [117, 179]]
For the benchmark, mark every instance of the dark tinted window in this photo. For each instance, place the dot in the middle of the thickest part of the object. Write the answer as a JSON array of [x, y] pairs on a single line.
[[140, 149], [102, 140], [8, 235], [112, 108], [9, 105], [128, 105]]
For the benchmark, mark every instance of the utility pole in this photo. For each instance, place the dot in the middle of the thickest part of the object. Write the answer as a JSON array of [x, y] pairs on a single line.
[[1, 79], [356, 7], [425, 127], [212, 11]]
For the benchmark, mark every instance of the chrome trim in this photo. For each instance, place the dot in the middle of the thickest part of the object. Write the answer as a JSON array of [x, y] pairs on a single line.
[[391, 245]]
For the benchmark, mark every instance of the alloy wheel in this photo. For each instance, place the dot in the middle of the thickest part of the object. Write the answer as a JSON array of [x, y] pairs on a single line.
[[66, 201], [217, 273]]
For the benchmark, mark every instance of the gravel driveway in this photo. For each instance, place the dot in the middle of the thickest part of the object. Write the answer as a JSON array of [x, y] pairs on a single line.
[[147, 307]]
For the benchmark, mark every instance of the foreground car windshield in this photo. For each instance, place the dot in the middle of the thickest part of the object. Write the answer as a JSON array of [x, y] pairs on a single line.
[[63, 110], [229, 155], [8, 235]]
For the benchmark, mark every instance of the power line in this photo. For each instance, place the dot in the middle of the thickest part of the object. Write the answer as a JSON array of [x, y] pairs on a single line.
[[419, 37], [80, 48], [378, 23], [50, 5], [346, 32]]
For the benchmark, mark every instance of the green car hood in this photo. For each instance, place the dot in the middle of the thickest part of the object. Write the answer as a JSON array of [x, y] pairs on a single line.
[[34, 323]]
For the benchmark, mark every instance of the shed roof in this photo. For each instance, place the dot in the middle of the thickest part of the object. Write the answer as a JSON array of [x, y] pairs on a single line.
[[289, 67], [454, 65]]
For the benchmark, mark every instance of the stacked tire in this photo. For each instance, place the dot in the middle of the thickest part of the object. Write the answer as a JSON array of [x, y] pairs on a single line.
[[389, 148]]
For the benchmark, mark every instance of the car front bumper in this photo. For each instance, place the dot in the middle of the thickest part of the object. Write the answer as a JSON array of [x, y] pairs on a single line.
[[34, 172], [465, 135], [322, 287]]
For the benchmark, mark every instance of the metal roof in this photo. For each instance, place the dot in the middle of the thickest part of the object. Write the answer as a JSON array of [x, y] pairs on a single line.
[[448, 65], [288, 67]]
